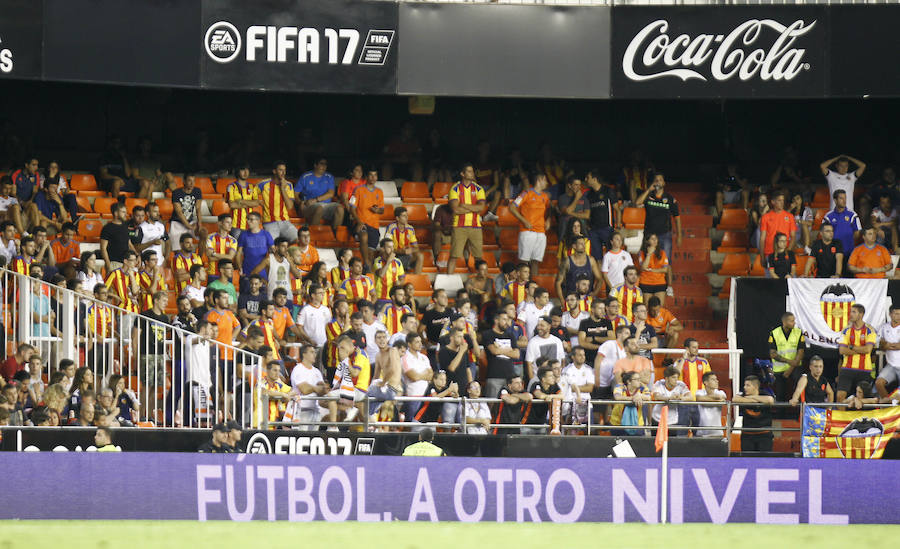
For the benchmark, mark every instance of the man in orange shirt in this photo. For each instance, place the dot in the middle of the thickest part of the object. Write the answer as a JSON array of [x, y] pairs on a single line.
[[467, 202], [870, 260], [228, 329], [634, 362], [66, 250], [663, 321], [776, 221], [531, 209], [306, 255], [366, 206]]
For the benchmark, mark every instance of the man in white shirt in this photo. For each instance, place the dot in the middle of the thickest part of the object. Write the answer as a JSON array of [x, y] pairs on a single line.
[[307, 380], [417, 373], [530, 313], [571, 319], [196, 395], [8, 246], [577, 383], [710, 415], [842, 178], [410, 325], [608, 354], [314, 317], [889, 342], [370, 326], [195, 290], [615, 261], [279, 268], [669, 389], [153, 234], [543, 344]]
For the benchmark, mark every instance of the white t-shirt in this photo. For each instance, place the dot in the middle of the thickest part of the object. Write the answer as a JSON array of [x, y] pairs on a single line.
[[9, 252], [550, 347], [7, 201], [574, 377], [844, 182], [151, 231], [569, 322], [304, 374], [198, 361], [529, 314], [614, 264], [710, 416], [419, 363], [89, 281], [370, 330], [193, 293], [477, 410], [399, 336], [314, 320], [612, 352], [890, 334], [660, 388], [279, 276]]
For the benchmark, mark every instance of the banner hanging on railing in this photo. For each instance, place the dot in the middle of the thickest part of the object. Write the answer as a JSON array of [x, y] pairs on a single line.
[[822, 305], [851, 434]]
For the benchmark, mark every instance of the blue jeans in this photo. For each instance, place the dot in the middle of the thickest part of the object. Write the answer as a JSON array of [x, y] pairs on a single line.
[[599, 241], [665, 240]]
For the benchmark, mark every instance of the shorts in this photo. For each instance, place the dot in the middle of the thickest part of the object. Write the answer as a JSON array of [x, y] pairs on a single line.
[[466, 235], [532, 245], [405, 260], [731, 197], [849, 378], [176, 229], [373, 233], [131, 186], [153, 370], [328, 209], [890, 374], [602, 393], [284, 229], [443, 238], [653, 288]]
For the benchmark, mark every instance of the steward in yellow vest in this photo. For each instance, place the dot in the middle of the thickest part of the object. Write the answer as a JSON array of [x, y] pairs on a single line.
[[425, 447]]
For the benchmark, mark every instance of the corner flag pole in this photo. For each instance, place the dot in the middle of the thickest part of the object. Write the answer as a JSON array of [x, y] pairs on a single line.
[[662, 442]]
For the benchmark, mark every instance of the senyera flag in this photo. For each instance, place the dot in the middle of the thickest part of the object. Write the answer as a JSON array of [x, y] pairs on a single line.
[[662, 432], [822, 305], [860, 434]]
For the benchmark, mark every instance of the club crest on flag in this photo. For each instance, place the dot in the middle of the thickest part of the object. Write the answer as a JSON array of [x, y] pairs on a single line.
[[835, 303], [860, 438]]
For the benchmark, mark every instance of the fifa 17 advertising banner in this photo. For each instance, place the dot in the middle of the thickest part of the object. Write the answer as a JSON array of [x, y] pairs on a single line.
[[821, 306], [716, 51], [384, 489], [341, 46], [21, 34]]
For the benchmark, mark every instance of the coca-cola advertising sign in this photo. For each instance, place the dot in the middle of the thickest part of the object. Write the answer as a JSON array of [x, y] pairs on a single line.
[[714, 52]]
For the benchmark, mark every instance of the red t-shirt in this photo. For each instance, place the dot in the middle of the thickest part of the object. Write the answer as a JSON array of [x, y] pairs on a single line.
[[348, 187], [776, 222], [9, 367]]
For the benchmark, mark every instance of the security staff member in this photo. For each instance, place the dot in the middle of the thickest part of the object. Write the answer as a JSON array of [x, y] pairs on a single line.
[[425, 447], [786, 346]]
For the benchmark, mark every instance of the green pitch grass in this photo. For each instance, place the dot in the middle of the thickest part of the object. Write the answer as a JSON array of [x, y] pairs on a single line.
[[400, 535]]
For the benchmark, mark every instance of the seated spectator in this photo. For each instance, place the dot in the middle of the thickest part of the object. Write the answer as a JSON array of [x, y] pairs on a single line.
[[393, 312], [114, 173], [89, 271], [869, 259], [406, 244], [511, 411], [634, 362], [668, 389], [388, 273], [710, 416], [409, 325], [543, 393], [663, 322], [225, 268], [757, 416], [253, 246], [277, 391], [803, 218], [884, 219], [531, 313], [8, 243], [277, 194], [732, 188], [517, 290], [826, 256], [248, 302], [348, 186], [219, 442], [10, 209], [16, 362], [28, 181], [358, 286], [314, 196], [66, 251], [478, 414], [542, 344], [632, 389], [781, 263], [432, 411], [217, 246], [305, 255], [47, 210], [44, 253]]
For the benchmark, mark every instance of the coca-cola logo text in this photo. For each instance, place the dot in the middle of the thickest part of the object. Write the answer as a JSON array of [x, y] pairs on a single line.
[[652, 53]]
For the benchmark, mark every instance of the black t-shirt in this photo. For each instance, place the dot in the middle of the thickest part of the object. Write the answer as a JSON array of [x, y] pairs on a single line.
[[540, 408], [601, 203], [756, 416], [188, 203], [781, 262], [816, 389], [445, 357], [209, 448], [114, 163], [510, 413], [153, 334], [434, 322], [134, 233], [560, 332], [660, 211], [359, 339], [595, 330], [825, 254], [180, 321], [117, 236], [499, 366], [250, 303], [643, 338]]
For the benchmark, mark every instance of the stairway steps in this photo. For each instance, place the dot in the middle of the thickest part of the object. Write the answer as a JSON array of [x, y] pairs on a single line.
[[700, 221], [692, 196]]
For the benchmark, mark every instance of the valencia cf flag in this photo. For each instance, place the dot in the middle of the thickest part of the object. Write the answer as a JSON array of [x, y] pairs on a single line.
[[861, 434], [835, 303]]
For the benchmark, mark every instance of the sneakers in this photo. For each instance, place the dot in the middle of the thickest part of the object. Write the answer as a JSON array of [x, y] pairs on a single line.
[[670, 291], [351, 414], [490, 216]]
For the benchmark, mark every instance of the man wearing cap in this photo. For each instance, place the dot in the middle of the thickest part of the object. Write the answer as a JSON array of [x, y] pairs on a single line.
[[425, 447], [219, 443], [234, 436]]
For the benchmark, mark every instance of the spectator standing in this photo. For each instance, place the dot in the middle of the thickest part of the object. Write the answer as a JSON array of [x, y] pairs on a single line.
[[224, 283], [306, 380], [417, 373], [21, 264], [644, 333], [542, 345], [710, 416], [467, 200], [228, 329], [633, 362], [662, 213], [889, 342], [341, 272], [502, 348], [277, 195], [691, 366], [389, 273], [153, 234], [150, 333], [615, 261], [572, 318], [217, 246], [436, 316], [114, 238], [358, 286], [279, 268], [578, 266], [124, 285], [405, 243], [609, 353], [814, 387], [253, 246], [594, 331], [845, 222], [573, 204], [370, 325], [66, 251], [775, 221], [512, 409], [758, 415], [869, 259], [196, 290], [248, 301], [786, 347], [182, 262], [16, 362], [826, 255], [628, 294], [856, 345], [531, 208], [453, 358], [185, 212], [441, 230], [517, 290], [314, 317], [392, 314], [150, 279], [842, 178], [603, 202], [314, 196], [781, 263], [242, 198], [531, 313], [655, 270], [480, 285], [668, 389], [366, 207]]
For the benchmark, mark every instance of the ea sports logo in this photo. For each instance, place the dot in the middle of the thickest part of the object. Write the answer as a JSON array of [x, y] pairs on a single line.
[[222, 42], [259, 444]]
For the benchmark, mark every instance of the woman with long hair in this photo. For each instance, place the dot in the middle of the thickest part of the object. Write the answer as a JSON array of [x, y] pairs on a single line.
[[575, 228], [781, 263], [318, 274], [125, 400], [759, 209], [654, 268], [89, 272], [52, 173], [803, 216], [84, 381]]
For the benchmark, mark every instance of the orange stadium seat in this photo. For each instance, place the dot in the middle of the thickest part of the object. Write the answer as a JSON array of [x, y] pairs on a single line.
[[735, 265], [84, 206], [418, 214], [734, 242], [102, 204], [415, 192], [428, 264], [801, 263], [387, 217], [205, 185], [733, 220], [165, 208], [421, 283], [461, 264], [757, 269], [821, 199], [820, 216], [89, 230], [130, 203], [222, 184], [440, 191], [322, 236], [726, 289], [547, 282], [505, 218], [633, 218], [509, 239], [82, 182], [220, 207]]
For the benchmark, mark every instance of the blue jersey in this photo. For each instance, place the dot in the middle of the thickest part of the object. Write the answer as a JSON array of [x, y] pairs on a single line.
[[310, 186], [845, 223]]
